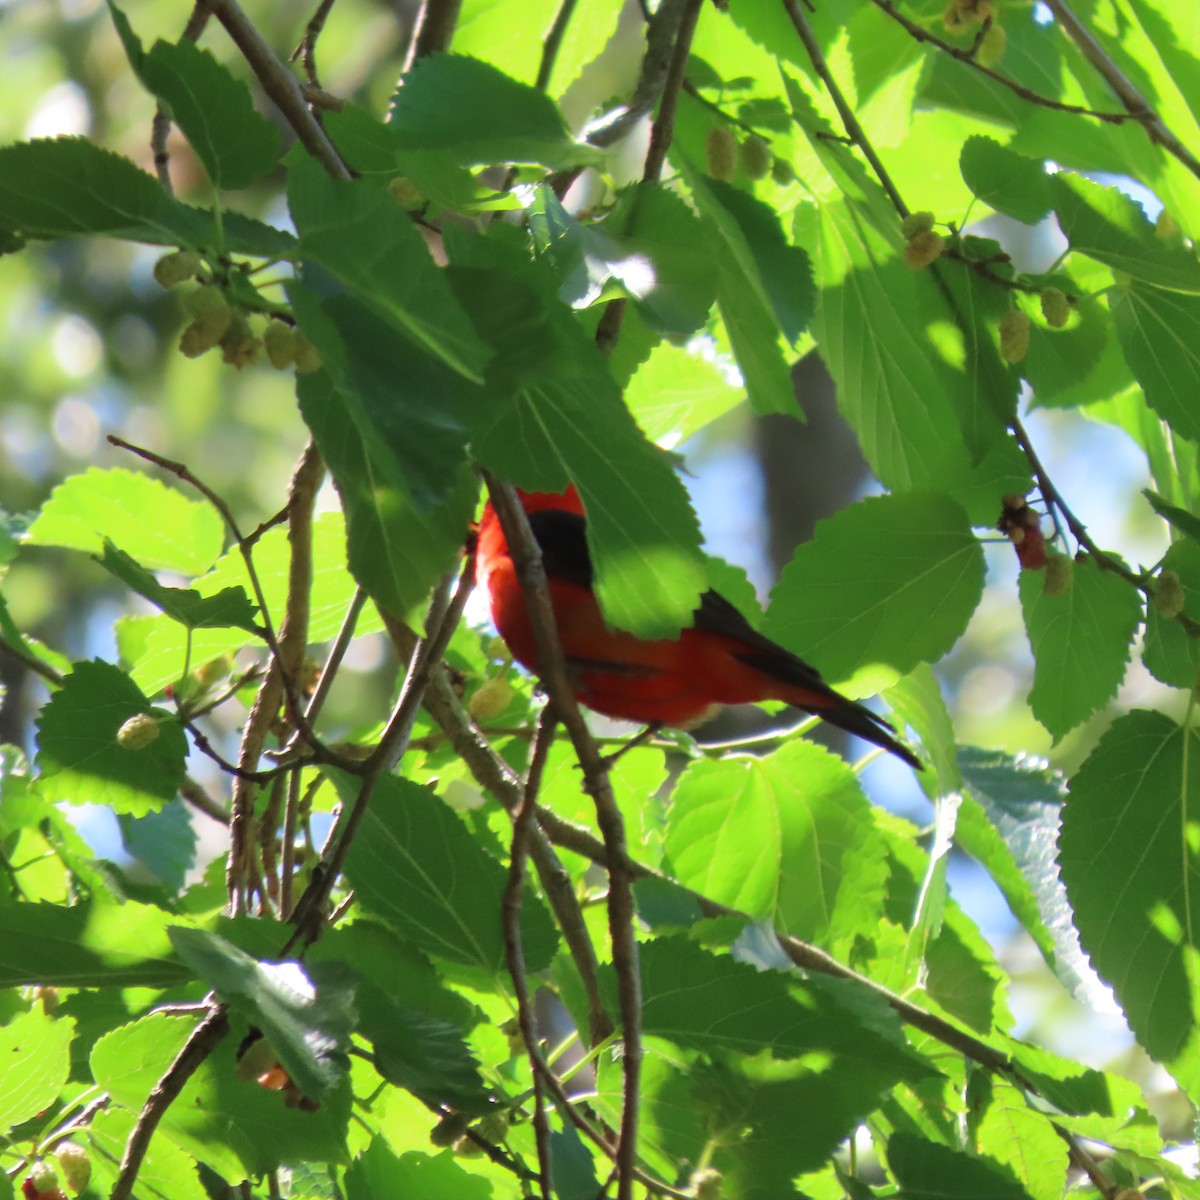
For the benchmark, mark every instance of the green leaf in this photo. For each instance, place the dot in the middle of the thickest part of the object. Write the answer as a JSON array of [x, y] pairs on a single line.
[[1094, 1104], [235, 143], [423, 1054], [1186, 522], [926, 412], [886, 583], [161, 658], [747, 307], [558, 416], [181, 535], [230, 606], [1004, 180], [368, 147], [1159, 332], [1080, 643], [675, 393], [232, 1125], [1128, 856], [1110, 226], [714, 1004], [362, 237], [163, 841], [927, 1171], [392, 969], [787, 838], [36, 1052], [1170, 653], [379, 1172], [479, 115], [96, 943], [396, 550], [917, 702], [415, 865], [1005, 1129], [212, 108], [79, 759], [64, 187], [646, 245], [1009, 823], [751, 232], [1062, 361], [306, 1016]]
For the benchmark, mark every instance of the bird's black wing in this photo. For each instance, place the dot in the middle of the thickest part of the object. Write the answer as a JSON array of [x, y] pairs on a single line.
[[562, 538]]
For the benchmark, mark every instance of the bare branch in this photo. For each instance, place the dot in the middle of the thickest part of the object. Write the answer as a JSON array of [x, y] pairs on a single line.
[[433, 31], [203, 1041], [510, 910], [967, 57], [281, 678], [426, 658], [280, 84], [553, 670], [845, 110], [306, 51], [1135, 103], [661, 37], [160, 127], [553, 42]]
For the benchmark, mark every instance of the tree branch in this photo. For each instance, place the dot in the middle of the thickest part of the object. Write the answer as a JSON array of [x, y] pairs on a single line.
[[280, 84], [661, 35], [1135, 103], [160, 127], [553, 670], [510, 910], [203, 1041], [845, 111], [280, 682], [306, 51], [426, 658], [967, 57], [608, 328], [433, 31]]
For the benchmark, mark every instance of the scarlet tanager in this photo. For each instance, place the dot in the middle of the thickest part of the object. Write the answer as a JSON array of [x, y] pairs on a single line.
[[720, 659]]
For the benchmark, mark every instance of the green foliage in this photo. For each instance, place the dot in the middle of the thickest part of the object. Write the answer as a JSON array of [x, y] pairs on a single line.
[[502, 284]]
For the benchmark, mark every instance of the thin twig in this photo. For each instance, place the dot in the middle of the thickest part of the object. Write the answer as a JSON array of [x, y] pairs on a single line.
[[510, 910], [231, 769], [336, 653], [1053, 499], [201, 801], [306, 51], [553, 43], [608, 328], [845, 110], [1135, 103], [280, 681], [280, 84], [203, 1041], [160, 127], [465, 738], [291, 819], [621, 912], [967, 56], [433, 31], [661, 34], [33, 663], [392, 745]]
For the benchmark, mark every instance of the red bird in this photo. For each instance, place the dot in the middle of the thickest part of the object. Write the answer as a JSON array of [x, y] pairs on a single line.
[[678, 681]]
